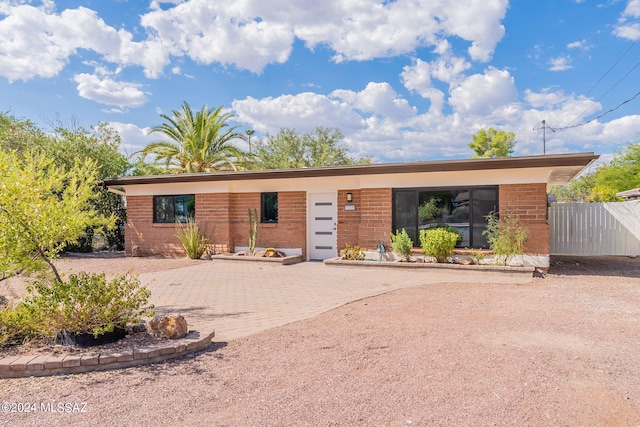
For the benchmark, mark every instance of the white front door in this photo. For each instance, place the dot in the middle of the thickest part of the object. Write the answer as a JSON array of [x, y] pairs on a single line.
[[323, 221]]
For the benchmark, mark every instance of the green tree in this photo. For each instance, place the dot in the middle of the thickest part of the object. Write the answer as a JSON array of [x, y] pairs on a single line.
[[64, 147], [19, 134], [623, 172], [42, 209], [288, 149], [492, 143], [577, 190], [199, 142]]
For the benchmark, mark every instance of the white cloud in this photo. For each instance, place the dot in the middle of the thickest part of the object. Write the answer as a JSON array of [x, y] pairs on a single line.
[[579, 44], [628, 26], [133, 137], [248, 34], [561, 63], [109, 92], [302, 112], [378, 99], [377, 122], [481, 94], [38, 43], [211, 32], [448, 69]]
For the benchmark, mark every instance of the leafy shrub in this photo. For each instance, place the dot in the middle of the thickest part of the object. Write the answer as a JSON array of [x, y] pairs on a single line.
[[506, 236], [86, 303], [402, 244], [451, 230], [438, 243], [192, 240], [15, 325], [353, 253]]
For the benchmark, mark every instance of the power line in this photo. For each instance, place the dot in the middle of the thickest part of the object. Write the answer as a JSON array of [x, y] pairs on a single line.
[[600, 80], [607, 92], [603, 114], [545, 126]]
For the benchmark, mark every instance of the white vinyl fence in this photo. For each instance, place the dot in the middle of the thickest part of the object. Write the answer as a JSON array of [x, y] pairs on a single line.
[[595, 228]]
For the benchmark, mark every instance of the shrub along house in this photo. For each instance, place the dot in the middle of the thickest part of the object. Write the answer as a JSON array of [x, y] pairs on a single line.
[[320, 210]]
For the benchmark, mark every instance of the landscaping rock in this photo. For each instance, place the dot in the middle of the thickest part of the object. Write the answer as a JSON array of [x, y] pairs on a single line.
[[139, 327], [170, 326]]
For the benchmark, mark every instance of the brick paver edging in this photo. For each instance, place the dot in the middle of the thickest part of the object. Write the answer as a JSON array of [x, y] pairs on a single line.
[[27, 366]]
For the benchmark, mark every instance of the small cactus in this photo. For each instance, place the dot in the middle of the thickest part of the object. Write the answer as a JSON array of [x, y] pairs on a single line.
[[253, 230]]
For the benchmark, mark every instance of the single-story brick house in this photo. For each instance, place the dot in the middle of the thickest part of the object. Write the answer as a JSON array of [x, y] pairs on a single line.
[[320, 210]]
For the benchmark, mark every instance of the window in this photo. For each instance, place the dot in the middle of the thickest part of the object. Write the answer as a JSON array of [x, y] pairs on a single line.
[[464, 209], [170, 209], [269, 207]]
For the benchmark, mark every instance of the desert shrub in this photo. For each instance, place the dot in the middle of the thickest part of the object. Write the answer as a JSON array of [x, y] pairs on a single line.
[[85, 303], [192, 240], [402, 244], [452, 230], [506, 236], [353, 253], [15, 325], [438, 243]]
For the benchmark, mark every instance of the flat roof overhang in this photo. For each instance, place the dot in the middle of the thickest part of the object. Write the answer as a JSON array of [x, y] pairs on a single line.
[[565, 167]]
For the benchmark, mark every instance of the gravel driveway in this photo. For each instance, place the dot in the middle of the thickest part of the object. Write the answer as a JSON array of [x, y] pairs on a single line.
[[562, 350]]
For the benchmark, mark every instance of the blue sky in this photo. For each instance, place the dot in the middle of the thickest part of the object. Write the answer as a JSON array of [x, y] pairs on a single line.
[[404, 80]]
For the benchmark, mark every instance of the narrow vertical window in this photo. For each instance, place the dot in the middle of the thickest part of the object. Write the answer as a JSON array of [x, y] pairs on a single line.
[[269, 207]]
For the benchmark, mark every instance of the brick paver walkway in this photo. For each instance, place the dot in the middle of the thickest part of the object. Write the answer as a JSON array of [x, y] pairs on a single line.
[[237, 298]]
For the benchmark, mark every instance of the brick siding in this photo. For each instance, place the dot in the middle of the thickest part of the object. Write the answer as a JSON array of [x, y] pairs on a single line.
[[529, 203], [370, 223], [224, 217], [151, 239]]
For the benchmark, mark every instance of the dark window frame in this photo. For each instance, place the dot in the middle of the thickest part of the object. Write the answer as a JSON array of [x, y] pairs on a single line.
[[189, 205], [472, 221], [269, 212]]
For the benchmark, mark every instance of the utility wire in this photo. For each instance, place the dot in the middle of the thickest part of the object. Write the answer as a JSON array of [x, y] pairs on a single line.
[[605, 94], [601, 115], [600, 80]]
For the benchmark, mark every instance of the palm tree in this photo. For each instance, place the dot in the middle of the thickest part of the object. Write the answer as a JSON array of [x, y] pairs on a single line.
[[199, 142]]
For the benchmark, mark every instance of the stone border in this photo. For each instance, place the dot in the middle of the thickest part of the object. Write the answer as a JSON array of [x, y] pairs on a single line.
[[506, 274], [287, 260], [38, 366]]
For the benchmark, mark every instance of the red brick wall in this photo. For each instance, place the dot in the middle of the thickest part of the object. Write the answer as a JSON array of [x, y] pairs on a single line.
[[289, 232], [529, 203], [212, 214], [370, 223], [225, 217], [348, 221], [151, 239]]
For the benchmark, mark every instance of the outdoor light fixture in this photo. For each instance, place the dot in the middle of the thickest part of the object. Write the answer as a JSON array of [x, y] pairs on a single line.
[[349, 197]]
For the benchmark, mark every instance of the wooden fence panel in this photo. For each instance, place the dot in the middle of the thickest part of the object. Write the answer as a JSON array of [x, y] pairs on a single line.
[[595, 228]]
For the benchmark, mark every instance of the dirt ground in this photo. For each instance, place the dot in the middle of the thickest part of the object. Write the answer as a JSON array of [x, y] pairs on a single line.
[[562, 350]]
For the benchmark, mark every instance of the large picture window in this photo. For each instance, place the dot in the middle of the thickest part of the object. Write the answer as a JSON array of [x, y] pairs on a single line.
[[269, 207], [464, 209], [171, 209]]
